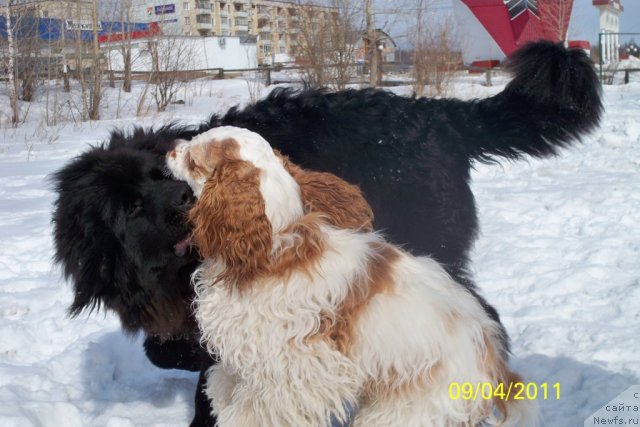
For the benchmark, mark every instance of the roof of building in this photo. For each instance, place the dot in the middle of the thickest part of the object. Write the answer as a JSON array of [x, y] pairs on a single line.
[[614, 3]]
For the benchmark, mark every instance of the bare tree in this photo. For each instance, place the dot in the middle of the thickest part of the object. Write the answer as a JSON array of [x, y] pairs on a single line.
[[95, 91], [555, 15], [326, 45], [420, 43], [433, 41], [312, 43], [125, 20], [120, 11], [119, 50], [11, 68], [171, 56], [344, 31], [78, 64], [27, 49], [252, 78], [65, 63], [371, 49]]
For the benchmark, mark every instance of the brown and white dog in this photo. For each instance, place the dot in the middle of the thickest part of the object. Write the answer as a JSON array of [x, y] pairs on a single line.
[[311, 315]]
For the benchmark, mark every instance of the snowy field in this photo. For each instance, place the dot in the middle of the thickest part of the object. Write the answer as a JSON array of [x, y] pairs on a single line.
[[558, 255]]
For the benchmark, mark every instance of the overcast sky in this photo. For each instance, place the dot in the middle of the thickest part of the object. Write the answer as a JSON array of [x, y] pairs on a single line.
[[585, 24]]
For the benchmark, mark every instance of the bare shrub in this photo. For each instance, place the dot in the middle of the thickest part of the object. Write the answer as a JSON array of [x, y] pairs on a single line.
[[434, 57]]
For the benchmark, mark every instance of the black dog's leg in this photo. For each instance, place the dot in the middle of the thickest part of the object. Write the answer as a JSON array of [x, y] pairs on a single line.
[[185, 354], [203, 416], [182, 353]]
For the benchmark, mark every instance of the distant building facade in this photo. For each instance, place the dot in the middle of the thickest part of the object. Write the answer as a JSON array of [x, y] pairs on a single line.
[[610, 11], [77, 14], [275, 25]]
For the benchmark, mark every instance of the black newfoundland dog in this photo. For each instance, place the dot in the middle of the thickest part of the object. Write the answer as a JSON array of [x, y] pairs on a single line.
[[119, 223]]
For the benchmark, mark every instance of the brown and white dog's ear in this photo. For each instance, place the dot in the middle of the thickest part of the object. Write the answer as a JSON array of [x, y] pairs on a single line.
[[343, 204], [229, 222]]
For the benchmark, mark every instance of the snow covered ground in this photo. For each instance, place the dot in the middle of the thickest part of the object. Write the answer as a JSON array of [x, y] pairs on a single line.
[[559, 256]]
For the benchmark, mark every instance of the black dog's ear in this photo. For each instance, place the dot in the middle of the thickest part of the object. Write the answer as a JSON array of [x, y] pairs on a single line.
[[84, 245]]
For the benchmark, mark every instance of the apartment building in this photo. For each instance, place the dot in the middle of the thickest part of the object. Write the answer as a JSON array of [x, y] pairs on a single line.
[[77, 14], [275, 25]]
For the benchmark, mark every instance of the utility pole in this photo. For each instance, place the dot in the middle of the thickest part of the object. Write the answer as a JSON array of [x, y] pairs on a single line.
[[373, 44], [96, 87]]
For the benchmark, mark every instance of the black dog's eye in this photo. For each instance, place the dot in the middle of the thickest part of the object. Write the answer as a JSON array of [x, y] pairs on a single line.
[[134, 208]]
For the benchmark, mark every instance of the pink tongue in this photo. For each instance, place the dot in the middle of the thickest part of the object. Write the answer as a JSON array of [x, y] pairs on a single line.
[[182, 246]]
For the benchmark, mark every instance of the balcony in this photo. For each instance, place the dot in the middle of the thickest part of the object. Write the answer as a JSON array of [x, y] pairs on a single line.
[[242, 28], [204, 21], [264, 13], [241, 14], [203, 7], [204, 25]]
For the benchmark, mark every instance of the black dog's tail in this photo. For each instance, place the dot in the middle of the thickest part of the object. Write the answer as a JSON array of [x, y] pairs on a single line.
[[553, 100]]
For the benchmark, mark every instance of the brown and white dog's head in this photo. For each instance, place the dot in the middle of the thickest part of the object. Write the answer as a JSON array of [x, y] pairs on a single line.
[[225, 148], [252, 200], [246, 197]]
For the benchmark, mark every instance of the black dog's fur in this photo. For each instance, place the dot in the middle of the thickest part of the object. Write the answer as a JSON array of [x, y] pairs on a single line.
[[117, 218]]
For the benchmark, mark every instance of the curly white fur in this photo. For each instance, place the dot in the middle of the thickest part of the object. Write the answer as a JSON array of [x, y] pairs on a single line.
[[408, 341]]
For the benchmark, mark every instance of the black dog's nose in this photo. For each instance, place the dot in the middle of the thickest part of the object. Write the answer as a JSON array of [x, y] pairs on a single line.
[[186, 198]]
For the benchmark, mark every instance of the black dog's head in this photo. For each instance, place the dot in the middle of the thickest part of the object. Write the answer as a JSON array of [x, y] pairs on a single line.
[[120, 232]]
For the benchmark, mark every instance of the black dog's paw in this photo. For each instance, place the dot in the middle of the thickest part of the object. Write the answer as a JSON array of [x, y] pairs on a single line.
[[181, 353]]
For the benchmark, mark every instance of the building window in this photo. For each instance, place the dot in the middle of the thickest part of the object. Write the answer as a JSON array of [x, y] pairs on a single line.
[[185, 5], [187, 20]]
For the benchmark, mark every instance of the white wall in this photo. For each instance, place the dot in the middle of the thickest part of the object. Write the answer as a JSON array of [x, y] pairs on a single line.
[[203, 52]]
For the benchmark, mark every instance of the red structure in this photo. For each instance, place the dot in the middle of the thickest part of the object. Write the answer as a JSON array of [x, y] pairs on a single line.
[[153, 30], [509, 24]]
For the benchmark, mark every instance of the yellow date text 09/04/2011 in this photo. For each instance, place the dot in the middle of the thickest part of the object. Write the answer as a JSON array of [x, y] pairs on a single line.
[[511, 391]]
